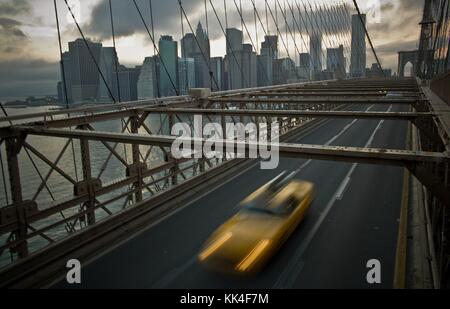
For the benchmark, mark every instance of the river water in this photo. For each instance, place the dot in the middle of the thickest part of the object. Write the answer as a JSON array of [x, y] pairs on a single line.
[[60, 188]]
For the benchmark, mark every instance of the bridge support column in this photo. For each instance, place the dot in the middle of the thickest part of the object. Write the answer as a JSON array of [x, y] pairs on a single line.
[[13, 147], [88, 181], [136, 153]]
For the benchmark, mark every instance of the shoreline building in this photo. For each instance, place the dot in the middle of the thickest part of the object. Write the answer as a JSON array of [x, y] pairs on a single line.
[[84, 76], [147, 86]]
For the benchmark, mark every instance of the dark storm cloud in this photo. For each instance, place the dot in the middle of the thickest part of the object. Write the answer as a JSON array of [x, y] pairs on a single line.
[[11, 36], [24, 78], [14, 7], [167, 18], [127, 21]]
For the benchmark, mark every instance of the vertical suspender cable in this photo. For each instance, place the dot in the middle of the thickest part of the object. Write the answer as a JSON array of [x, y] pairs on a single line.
[[66, 96], [155, 53], [116, 60]]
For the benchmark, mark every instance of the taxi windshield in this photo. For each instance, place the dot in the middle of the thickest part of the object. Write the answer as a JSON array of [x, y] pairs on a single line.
[[270, 207]]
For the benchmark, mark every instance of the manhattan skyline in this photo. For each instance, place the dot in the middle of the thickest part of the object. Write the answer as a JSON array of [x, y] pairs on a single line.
[[29, 39]]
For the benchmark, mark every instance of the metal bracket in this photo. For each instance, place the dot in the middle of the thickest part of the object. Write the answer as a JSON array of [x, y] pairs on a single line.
[[82, 188], [8, 214]]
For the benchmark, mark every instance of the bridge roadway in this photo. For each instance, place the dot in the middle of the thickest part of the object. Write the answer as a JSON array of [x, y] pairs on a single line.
[[353, 219]]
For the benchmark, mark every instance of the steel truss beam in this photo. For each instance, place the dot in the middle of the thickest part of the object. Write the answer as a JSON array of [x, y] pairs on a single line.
[[293, 113]]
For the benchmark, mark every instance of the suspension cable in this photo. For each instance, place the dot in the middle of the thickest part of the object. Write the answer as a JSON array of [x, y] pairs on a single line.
[[227, 40], [251, 40], [116, 60], [90, 51], [368, 37], [158, 90], [205, 58], [156, 48], [266, 33], [66, 95]]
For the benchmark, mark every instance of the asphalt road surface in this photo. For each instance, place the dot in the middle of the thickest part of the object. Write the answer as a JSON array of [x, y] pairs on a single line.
[[353, 219]]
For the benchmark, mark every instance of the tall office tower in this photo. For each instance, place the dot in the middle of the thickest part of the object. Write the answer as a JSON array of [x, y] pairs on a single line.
[[147, 86], [186, 71], [249, 66], [358, 57], [336, 62], [168, 76], [203, 60], [189, 46], [233, 60], [128, 81], [304, 71], [108, 68], [270, 46], [269, 52], [198, 47], [315, 46], [218, 70], [67, 78], [84, 73]]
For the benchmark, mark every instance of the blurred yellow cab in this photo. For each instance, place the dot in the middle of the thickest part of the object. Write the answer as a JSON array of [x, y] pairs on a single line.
[[246, 242]]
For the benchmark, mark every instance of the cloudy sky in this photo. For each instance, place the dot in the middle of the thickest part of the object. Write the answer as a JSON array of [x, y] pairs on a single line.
[[29, 52]]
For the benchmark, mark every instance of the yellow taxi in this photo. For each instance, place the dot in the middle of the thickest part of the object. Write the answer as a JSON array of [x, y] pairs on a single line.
[[267, 218]]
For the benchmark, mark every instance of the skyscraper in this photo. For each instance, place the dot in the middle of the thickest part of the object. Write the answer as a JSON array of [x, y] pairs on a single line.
[[186, 71], [305, 66], [249, 66], [108, 68], [198, 47], [218, 70], [147, 82], [84, 72], [233, 60], [358, 56], [168, 50], [67, 78], [202, 60], [315, 46], [336, 61], [269, 52], [128, 80]]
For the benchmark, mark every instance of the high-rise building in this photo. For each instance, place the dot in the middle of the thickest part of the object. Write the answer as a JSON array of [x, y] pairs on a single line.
[[147, 86], [198, 47], [66, 63], [186, 71], [233, 60], [358, 55], [218, 71], [315, 46], [304, 70], [336, 62], [107, 67], [84, 73], [128, 81], [249, 66], [269, 53], [203, 60], [168, 74]]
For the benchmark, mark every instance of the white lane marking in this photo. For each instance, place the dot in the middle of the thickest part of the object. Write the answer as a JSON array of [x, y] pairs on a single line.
[[332, 140], [294, 268], [174, 273], [369, 143]]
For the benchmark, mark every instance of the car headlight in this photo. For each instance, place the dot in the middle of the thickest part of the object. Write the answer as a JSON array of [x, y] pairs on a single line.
[[250, 259], [215, 246]]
